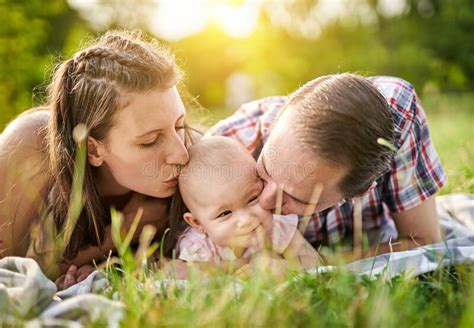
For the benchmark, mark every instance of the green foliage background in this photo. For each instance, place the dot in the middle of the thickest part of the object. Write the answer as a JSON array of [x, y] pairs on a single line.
[[430, 44]]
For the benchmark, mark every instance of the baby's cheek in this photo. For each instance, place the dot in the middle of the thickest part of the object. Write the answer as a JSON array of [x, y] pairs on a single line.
[[220, 235], [264, 216]]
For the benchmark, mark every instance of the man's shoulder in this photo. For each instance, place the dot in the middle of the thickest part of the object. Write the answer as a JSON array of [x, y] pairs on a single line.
[[399, 93], [247, 116], [403, 103], [262, 103]]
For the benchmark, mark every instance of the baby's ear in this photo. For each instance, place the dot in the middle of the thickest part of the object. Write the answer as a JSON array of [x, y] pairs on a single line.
[[191, 220]]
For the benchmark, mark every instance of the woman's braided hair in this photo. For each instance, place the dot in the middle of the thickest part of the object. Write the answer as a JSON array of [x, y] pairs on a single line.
[[86, 90]]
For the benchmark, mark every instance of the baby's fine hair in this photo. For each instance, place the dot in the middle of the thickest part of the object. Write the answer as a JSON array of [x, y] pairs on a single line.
[[210, 158]]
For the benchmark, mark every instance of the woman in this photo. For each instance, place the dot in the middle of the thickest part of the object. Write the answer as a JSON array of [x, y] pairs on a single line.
[[123, 89]]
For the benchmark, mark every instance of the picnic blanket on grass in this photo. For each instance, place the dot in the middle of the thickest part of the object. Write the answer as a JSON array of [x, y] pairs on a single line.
[[414, 262], [27, 294]]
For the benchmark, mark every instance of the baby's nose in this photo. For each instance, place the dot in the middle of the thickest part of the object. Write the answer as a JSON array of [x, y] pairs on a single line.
[[244, 219]]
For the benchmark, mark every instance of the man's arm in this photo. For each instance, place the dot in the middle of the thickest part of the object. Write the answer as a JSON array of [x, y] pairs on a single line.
[[416, 227], [419, 223], [416, 171]]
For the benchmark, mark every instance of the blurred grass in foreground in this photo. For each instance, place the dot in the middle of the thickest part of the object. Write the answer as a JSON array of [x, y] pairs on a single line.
[[336, 299]]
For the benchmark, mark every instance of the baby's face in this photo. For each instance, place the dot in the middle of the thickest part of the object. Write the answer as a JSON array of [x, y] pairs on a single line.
[[224, 202]]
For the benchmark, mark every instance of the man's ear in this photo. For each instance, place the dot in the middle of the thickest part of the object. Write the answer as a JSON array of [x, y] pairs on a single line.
[[192, 221], [95, 152]]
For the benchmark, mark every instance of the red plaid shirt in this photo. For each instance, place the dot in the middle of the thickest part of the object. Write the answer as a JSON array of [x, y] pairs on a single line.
[[415, 174]]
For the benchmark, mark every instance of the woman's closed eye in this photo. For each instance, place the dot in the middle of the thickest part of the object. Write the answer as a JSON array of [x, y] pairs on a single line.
[[224, 214], [151, 143]]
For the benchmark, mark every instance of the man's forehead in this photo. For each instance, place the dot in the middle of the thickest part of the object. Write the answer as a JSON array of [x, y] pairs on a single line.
[[294, 167], [287, 162], [284, 124]]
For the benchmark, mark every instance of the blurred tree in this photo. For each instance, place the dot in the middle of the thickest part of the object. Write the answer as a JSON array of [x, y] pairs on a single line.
[[433, 41], [428, 42], [32, 33]]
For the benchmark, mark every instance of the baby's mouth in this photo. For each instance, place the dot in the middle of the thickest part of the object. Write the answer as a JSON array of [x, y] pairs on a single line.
[[247, 229]]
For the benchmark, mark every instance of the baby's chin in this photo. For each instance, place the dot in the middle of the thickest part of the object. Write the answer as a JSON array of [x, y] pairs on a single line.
[[246, 241]]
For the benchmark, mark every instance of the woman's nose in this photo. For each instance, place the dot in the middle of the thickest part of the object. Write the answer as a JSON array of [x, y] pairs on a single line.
[[177, 154], [268, 196]]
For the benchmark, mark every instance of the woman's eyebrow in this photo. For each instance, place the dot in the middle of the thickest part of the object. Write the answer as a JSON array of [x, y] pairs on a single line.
[[147, 133], [266, 172], [158, 130]]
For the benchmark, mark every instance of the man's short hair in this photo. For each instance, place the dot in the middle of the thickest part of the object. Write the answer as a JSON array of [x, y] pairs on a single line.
[[341, 118]]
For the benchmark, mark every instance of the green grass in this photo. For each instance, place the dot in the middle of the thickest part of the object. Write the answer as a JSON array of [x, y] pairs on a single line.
[[337, 299], [451, 121]]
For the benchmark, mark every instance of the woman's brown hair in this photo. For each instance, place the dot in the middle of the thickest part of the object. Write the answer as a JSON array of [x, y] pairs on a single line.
[[85, 90]]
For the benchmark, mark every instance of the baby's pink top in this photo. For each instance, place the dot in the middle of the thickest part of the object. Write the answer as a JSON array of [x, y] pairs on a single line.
[[196, 246]]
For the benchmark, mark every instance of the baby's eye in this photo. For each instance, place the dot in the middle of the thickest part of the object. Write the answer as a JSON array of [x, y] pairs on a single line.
[[225, 213]]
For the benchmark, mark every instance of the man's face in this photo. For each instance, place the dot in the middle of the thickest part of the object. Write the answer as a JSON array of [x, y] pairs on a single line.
[[284, 163]]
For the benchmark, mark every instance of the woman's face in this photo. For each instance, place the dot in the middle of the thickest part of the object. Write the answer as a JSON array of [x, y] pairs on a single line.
[[145, 147]]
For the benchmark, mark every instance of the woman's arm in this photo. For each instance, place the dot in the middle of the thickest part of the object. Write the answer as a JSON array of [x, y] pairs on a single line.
[[23, 178], [153, 212]]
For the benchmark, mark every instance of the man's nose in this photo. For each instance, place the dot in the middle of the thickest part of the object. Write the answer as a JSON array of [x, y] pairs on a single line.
[[268, 196]]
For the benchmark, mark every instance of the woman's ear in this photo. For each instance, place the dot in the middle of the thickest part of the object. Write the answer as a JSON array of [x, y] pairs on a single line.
[[192, 221], [95, 152]]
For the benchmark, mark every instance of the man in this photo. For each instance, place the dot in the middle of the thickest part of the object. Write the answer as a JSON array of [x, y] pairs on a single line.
[[348, 139]]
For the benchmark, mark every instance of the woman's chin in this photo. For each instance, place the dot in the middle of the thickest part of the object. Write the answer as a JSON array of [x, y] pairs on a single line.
[[162, 193]]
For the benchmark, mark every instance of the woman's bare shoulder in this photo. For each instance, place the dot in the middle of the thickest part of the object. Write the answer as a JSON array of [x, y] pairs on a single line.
[[26, 131]]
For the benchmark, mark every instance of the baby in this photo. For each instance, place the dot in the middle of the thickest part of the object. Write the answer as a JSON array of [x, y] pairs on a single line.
[[221, 189]]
